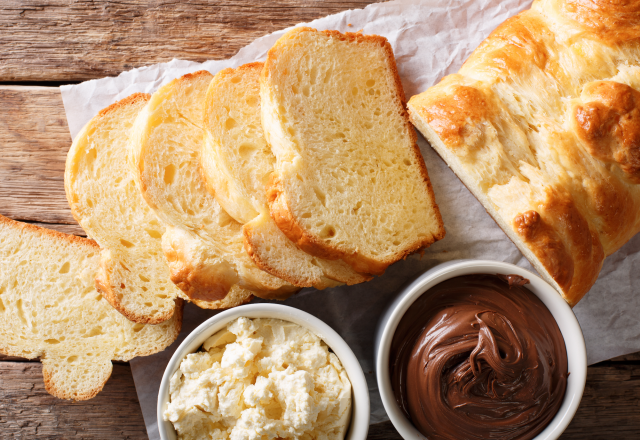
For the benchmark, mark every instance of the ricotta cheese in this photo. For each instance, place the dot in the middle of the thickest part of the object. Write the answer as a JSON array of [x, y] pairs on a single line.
[[260, 379]]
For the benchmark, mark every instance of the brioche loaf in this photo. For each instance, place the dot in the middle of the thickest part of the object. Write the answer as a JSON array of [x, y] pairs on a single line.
[[237, 164], [349, 182], [203, 243], [50, 309], [542, 124]]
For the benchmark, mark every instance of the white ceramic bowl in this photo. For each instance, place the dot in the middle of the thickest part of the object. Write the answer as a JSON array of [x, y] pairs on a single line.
[[574, 341], [360, 408]]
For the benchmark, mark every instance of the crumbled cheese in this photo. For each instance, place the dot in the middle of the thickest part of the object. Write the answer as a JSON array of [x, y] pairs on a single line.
[[260, 379]]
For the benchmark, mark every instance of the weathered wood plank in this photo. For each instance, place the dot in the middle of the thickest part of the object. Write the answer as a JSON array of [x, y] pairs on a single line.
[[610, 408], [35, 139], [28, 411], [58, 40]]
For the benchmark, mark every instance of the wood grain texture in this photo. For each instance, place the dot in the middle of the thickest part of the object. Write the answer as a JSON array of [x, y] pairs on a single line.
[[27, 411], [610, 408], [86, 39], [35, 139]]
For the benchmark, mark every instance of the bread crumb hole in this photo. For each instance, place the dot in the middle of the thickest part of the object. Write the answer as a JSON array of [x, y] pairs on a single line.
[[65, 267], [252, 101], [1, 306], [305, 90], [306, 215], [371, 83], [358, 206], [236, 79], [320, 195], [354, 91], [153, 234], [169, 174], [247, 149], [328, 232], [21, 312], [294, 89], [91, 155], [51, 341], [407, 162], [96, 331], [126, 243], [143, 278], [148, 304], [71, 359], [90, 203], [138, 327], [230, 123]]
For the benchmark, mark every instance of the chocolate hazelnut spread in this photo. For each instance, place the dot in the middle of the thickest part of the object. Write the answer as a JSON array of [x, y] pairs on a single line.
[[479, 357]]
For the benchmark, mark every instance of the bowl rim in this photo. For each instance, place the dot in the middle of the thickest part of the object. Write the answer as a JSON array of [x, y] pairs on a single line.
[[561, 311], [360, 403]]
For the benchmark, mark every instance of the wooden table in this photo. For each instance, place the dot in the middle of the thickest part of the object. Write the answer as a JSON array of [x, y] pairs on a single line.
[[46, 43]]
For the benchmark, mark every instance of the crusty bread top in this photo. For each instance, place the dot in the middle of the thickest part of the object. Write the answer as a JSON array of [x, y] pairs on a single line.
[[104, 199], [543, 124], [203, 243], [350, 181], [50, 309], [237, 163]]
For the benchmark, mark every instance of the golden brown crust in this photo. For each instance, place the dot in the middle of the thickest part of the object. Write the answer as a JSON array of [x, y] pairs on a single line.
[[450, 115], [514, 47], [583, 243], [572, 173], [247, 232], [609, 125], [545, 243], [287, 223], [560, 237], [197, 286], [613, 22], [73, 239], [195, 282], [60, 393], [129, 100], [102, 283]]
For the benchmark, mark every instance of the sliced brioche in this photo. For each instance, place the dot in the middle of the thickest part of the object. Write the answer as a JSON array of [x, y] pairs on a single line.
[[350, 181], [203, 243], [237, 164], [103, 196], [50, 309]]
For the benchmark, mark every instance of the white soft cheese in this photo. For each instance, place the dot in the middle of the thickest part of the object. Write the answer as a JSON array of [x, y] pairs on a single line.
[[261, 379]]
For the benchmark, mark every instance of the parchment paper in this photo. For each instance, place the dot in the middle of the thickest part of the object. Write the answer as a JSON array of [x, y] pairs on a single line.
[[430, 39]]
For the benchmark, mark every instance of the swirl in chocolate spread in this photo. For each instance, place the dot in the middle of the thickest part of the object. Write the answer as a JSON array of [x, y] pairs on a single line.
[[479, 357]]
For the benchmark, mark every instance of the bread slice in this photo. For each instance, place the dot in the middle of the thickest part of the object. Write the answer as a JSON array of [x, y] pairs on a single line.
[[50, 309], [350, 180], [237, 164], [541, 124], [104, 199], [202, 240]]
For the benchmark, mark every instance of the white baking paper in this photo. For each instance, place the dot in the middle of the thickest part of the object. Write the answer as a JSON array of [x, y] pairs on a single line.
[[430, 39]]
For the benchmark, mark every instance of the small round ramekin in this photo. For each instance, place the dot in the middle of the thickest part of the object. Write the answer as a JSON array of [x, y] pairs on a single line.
[[567, 322], [360, 405]]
